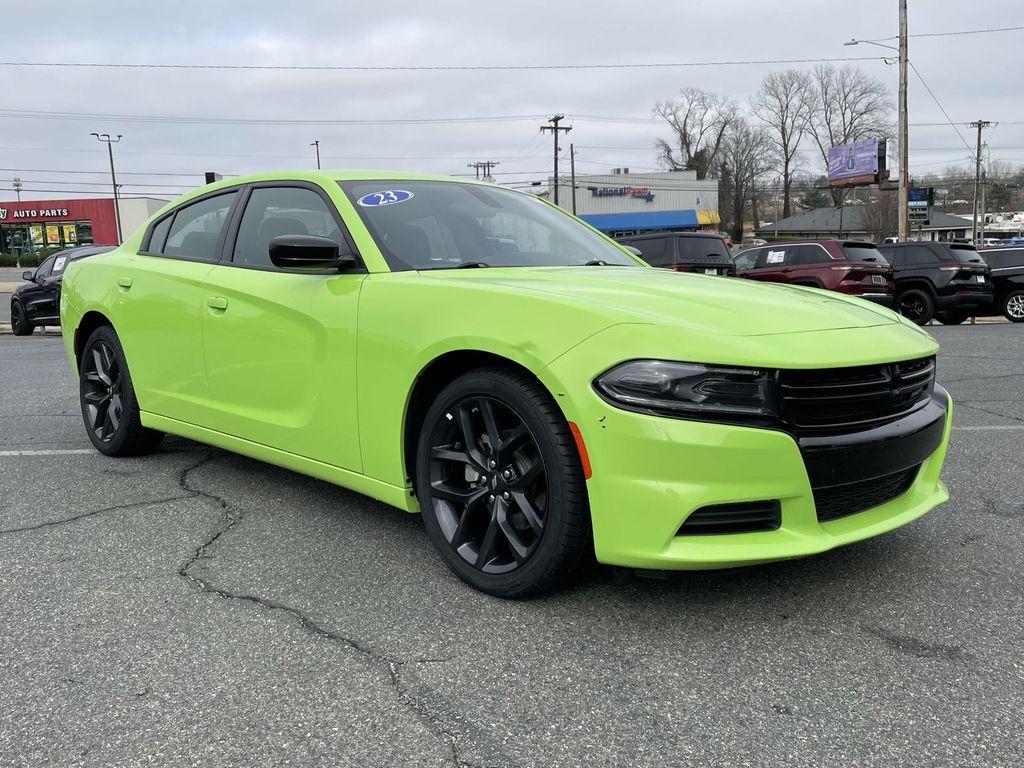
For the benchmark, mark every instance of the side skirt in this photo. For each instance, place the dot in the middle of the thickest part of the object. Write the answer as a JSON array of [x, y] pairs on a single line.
[[394, 495]]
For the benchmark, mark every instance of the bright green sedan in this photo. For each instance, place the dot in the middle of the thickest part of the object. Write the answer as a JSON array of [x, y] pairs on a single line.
[[536, 392]]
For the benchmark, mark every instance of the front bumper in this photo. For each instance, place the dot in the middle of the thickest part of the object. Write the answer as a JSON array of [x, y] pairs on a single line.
[[650, 473]]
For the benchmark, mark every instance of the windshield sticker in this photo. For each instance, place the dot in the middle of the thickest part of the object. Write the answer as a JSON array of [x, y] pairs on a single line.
[[775, 257], [58, 265], [387, 197]]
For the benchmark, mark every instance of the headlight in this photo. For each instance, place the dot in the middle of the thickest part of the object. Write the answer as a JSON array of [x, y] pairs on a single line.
[[688, 390]]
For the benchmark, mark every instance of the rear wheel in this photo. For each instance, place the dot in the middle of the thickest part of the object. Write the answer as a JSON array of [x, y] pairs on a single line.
[[1013, 307], [501, 485], [952, 318], [109, 407], [20, 326], [916, 304]]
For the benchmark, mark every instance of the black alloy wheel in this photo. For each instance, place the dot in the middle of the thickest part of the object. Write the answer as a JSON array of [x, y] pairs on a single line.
[[109, 407], [500, 484], [101, 392], [916, 305], [20, 326], [489, 485]]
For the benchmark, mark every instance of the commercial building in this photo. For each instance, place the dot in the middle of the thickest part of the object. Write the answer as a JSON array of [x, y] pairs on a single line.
[[31, 225], [849, 222], [624, 203]]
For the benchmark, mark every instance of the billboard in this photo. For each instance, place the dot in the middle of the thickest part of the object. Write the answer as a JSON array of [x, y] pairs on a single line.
[[855, 163]]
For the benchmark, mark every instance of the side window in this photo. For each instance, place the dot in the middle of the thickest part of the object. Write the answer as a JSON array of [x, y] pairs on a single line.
[[657, 251], [803, 255], [159, 235], [275, 211], [44, 268], [920, 255], [58, 265], [746, 259], [995, 259], [196, 228], [771, 257], [1014, 258], [896, 257]]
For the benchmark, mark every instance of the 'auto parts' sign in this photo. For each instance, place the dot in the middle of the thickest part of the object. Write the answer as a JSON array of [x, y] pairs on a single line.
[[33, 213]]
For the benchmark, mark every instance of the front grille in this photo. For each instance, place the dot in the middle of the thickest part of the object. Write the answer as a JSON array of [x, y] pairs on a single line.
[[743, 517], [841, 500], [846, 399]]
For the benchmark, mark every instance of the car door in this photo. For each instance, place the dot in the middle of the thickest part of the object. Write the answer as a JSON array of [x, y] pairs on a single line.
[[281, 344], [771, 265], [158, 302], [803, 264], [34, 296]]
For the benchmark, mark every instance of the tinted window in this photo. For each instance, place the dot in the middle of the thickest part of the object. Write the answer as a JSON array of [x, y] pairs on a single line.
[[657, 251], [965, 254], [156, 240], [441, 225], [772, 256], [802, 255], [865, 252], [44, 269], [746, 259], [702, 250], [1013, 258], [275, 211], [196, 228], [919, 254]]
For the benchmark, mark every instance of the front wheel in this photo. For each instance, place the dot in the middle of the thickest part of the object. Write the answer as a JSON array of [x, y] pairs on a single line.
[[109, 407], [20, 326], [916, 305], [1013, 307], [500, 484]]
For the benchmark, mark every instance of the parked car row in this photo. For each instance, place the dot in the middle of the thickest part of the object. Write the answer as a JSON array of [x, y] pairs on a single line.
[[948, 282], [36, 302]]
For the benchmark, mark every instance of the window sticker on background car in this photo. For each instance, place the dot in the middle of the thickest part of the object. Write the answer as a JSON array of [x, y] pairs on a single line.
[[775, 257], [385, 197], [58, 265]]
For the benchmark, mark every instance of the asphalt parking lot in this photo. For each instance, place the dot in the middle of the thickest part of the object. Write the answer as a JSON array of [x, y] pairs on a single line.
[[198, 608]]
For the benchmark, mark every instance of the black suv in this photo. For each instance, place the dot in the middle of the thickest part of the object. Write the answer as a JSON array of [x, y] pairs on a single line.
[[37, 301], [947, 281], [684, 251], [1007, 266]]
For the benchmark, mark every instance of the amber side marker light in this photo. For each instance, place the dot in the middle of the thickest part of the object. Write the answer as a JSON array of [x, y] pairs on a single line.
[[582, 448]]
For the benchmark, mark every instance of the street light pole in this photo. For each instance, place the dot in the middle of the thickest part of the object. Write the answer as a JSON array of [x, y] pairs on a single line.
[[316, 143], [106, 139]]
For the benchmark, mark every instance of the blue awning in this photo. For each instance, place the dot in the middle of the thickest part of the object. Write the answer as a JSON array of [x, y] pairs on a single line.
[[614, 222]]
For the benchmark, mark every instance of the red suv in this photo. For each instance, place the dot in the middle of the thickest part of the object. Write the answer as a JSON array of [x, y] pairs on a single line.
[[846, 266]]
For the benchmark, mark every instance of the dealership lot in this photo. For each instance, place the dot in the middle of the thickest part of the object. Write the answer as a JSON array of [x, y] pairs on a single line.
[[196, 606]]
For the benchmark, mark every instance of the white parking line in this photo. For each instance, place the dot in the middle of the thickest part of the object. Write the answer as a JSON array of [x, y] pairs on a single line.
[[994, 427], [50, 452]]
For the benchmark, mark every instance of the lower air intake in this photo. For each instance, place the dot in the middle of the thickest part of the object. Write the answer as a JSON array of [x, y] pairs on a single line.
[[841, 500], [744, 517]]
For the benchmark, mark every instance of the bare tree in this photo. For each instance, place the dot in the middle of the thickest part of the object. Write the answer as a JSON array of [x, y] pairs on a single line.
[[880, 217], [785, 103], [746, 157], [699, 120], [849, 104]]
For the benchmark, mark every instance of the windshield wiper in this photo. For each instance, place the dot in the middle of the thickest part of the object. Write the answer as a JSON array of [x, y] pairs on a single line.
[[596, 263], [473, 265]]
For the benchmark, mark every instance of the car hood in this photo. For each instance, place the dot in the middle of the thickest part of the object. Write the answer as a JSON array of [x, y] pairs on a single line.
[[720, 305]]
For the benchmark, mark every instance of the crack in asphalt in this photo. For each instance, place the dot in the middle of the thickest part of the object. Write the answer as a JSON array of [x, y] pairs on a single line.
[[92, 513], [913, 646], [973, 407], [391, 665]]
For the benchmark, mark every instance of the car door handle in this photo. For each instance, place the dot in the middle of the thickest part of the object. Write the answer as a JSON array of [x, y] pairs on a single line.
[[217, 302], [124, 282]]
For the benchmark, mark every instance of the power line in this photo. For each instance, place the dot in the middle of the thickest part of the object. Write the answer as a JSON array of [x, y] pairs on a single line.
[[951, 34], [939, 104], [427, 68]]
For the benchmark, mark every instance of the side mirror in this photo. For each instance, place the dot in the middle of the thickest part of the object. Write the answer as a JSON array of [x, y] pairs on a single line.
[[635, 251], [28, 274], [309, 252]]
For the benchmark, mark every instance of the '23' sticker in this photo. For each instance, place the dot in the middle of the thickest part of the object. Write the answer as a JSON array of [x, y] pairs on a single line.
[[387, 197]]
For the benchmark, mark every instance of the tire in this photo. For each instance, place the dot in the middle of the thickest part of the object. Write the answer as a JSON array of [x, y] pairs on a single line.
[[916, 304], [109, 407], [1013, 307], [952, 318], [20, 326], [508, 515]]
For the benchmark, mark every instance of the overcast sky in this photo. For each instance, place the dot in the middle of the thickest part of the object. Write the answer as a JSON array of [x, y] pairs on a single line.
[[973, 76]]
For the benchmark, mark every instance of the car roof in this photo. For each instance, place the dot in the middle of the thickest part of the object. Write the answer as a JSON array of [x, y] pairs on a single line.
[[671, 234]]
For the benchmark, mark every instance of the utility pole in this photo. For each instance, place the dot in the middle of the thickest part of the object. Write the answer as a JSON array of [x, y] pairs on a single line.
[[903, 230], [17, 187], [555, 128], [316, 143], [485, 166], [981, 217], [980, 125], [572, 175], [110, 142]]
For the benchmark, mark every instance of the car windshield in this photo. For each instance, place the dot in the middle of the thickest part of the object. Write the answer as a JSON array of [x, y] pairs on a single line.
[[703, 250], [447, 225], [863, 252]]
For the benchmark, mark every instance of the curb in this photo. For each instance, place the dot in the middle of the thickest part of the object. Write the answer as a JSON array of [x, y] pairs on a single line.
[[49, 330]]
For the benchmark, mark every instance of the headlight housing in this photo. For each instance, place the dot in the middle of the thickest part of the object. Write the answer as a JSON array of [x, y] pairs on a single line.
[[689, 390]]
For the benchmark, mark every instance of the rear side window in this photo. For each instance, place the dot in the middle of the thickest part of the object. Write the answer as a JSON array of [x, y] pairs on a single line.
[[275, 211], [865, 252], [920, 255], [159, 235], [965, 254], [1013, 258], [804, 255], [657, 251], [196, 229], [703, 250]]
